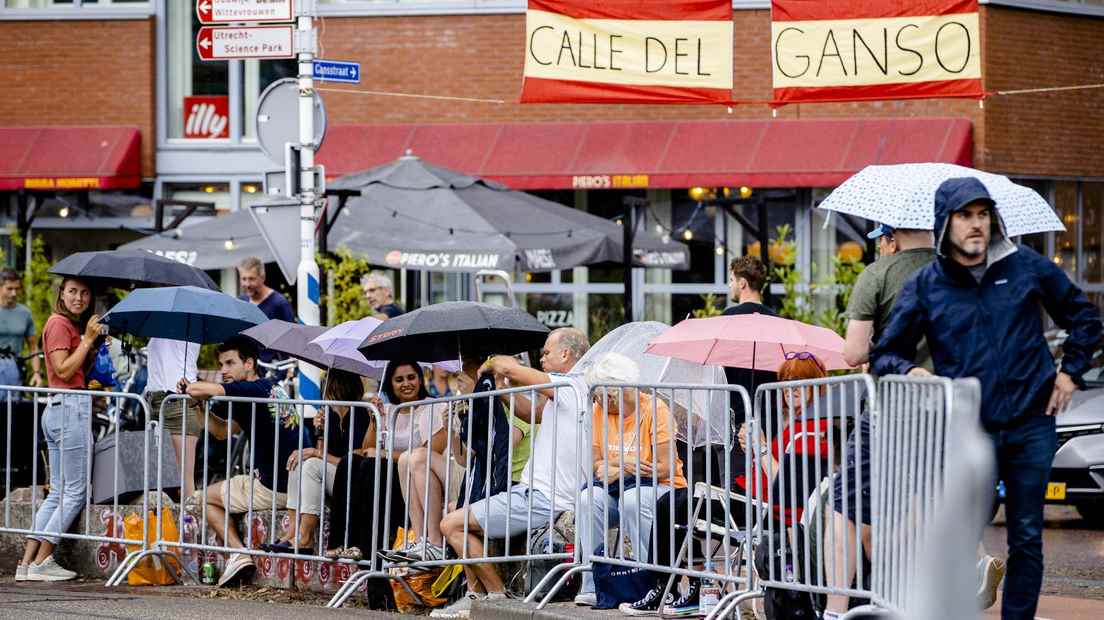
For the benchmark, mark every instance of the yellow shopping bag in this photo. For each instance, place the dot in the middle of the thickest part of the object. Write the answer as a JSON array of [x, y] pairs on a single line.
[[151, 571]]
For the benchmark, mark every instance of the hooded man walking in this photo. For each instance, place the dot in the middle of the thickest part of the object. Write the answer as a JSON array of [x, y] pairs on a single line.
[[978, 306]]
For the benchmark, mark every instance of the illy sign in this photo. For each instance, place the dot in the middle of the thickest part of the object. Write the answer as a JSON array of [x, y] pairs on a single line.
[[222, 11], [207, 117], [238, 42]]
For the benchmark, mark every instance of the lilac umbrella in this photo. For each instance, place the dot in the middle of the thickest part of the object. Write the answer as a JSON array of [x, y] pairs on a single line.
[[337, 347]]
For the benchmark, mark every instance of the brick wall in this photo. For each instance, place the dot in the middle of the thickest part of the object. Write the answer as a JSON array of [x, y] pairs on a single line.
[[77, 72], [1061, 133]]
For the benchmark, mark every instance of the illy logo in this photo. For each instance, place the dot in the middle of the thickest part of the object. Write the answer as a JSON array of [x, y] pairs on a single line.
[[207, 117]]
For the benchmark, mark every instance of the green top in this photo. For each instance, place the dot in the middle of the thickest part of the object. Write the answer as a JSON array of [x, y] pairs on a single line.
[[877, 287], [523, 447], [16, 324]]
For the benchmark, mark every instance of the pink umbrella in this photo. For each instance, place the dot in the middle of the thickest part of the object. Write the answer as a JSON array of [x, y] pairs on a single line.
[[755, 341]]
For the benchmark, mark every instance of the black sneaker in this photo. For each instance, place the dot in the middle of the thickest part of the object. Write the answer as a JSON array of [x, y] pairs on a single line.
[[649, 605], [687, 604]]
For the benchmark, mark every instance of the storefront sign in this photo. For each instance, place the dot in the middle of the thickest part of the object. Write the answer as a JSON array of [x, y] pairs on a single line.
[[606, 181], [62, 183], [556, 318], [207, 117], [236, 42], [223, 11], [852, 50], [679, 51]]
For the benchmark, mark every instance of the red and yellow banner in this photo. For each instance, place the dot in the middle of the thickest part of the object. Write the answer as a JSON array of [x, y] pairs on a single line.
[[628, 51], [853, 50]]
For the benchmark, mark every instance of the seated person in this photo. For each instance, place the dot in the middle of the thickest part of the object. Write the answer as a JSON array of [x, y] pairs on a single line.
[[631, 469], [551, 479], [425, 466], [341, 428], [796, 436], [264, 487]]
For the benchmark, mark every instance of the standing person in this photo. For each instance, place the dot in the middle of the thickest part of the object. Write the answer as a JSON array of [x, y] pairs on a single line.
[[66, 424], [902, 252], [978, 306], [251, 281], [265, 486], [167, 361], [380, 293], [746, 278], [17, 330], [553, 469]]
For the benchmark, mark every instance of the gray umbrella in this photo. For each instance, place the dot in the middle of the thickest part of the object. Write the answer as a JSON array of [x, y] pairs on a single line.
[[213, 243], [126, 268], [419, 216]]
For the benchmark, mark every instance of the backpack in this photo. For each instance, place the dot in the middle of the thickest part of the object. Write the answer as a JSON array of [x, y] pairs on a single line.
[[782, 603], [554, 540]]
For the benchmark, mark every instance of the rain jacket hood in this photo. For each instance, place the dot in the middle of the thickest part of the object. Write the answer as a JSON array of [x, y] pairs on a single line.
[[954, 195]]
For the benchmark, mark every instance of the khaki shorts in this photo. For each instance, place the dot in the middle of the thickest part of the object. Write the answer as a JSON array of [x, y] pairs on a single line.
[[235, 496], [174, 414]]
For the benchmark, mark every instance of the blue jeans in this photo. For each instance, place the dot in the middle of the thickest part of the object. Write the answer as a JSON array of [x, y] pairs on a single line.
[[66, 423], [591, 523], [9, 375], [1024, 455]]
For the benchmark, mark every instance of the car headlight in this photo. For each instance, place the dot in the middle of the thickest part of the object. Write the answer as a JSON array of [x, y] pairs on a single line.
[[1066, 433]]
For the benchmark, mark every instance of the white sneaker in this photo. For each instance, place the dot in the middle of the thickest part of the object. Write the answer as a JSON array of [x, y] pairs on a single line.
[[237, 565], [49, 570], [21, 572], [459, 609], [590, 599], [990, 573], [496, 596]]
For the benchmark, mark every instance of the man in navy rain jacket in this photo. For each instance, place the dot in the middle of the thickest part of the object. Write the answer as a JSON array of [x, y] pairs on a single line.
[[979, 305]]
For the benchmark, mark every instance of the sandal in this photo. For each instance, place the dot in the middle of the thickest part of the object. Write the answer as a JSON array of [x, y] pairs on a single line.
[[341, 553]]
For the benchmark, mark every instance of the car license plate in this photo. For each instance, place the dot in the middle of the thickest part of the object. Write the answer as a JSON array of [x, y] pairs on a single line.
[[1056, 490]]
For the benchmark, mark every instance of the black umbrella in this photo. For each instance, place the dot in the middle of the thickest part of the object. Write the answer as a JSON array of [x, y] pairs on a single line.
[[412, 214], [452, 330], [126, 268]]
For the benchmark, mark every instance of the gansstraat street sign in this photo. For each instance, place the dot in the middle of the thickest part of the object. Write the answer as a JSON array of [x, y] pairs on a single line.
[[237, 42], [223, 11]]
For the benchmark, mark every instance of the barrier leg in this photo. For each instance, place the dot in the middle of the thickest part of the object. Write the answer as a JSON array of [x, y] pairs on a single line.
[[532, 596], [731, 602], [574, 570], [112, 581]]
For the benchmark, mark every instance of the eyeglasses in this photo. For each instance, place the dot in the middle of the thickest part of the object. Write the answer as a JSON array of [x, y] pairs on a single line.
[[805, 355]]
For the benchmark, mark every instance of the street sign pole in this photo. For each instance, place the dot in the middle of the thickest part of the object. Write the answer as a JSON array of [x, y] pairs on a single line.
[[308, 292]]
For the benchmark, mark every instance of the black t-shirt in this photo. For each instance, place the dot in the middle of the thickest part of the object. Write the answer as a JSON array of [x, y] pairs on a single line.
[[745, 376], [392, 310], [354, 425], [273, 423]]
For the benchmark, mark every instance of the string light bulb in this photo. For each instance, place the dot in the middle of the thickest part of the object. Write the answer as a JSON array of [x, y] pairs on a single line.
[[63, 212], [745, 192], [229, 244], [720, 250], [688, 234]]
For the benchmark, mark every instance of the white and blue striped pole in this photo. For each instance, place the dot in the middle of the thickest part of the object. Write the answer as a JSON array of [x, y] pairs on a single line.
[[307, 291]]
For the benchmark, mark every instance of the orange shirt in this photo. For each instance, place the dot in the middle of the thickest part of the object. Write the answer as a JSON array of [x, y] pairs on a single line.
[[59, 334], [655, 424]]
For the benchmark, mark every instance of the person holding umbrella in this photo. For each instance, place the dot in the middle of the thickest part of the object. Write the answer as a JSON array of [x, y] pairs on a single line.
[[69, 339], [978, 305], [265, 486]]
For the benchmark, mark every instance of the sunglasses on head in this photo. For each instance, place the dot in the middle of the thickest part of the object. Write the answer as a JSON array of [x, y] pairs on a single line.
[[804, 355]]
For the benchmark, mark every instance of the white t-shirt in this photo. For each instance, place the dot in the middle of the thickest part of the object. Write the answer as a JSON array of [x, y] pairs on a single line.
[[426, 420], [165, 361], [555, 454]]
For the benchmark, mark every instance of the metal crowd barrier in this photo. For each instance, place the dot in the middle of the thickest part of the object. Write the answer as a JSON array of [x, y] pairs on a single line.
[[453, 407], [278, 412], [797, 445], [24, 419], [698, 420]]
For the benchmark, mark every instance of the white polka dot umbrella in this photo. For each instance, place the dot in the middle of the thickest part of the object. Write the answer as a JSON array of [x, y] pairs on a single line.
[[903, 196]]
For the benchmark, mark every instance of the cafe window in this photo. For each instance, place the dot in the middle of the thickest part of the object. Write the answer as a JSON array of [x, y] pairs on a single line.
[[212, 101], [1065, 243]]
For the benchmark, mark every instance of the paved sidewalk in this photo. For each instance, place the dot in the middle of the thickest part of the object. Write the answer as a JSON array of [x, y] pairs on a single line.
[[1061, 608]]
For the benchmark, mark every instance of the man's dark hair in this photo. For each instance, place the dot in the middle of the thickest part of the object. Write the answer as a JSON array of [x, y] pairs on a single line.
[[751, 269], [246, 348], [7, 274]]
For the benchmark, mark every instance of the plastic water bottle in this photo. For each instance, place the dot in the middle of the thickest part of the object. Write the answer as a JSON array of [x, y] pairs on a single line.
[[710, 593]]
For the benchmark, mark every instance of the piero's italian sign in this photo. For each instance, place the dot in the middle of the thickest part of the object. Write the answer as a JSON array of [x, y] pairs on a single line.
[[627, 51], [851, 50]]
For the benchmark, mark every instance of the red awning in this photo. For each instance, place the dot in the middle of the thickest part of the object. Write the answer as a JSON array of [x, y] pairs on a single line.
[[600, 155], [70, 158]]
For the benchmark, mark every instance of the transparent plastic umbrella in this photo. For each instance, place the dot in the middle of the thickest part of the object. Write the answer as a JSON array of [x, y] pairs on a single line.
[[701, 415]]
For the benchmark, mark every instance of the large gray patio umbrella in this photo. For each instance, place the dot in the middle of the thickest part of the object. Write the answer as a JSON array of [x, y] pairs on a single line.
[[419, 216], [213, 243]]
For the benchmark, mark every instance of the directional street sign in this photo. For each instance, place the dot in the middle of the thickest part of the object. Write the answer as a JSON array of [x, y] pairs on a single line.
[[235, 42], [222, 11], [337, 71]]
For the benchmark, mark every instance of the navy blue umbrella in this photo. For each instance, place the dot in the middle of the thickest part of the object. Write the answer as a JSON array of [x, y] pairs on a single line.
[[186, 313]]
